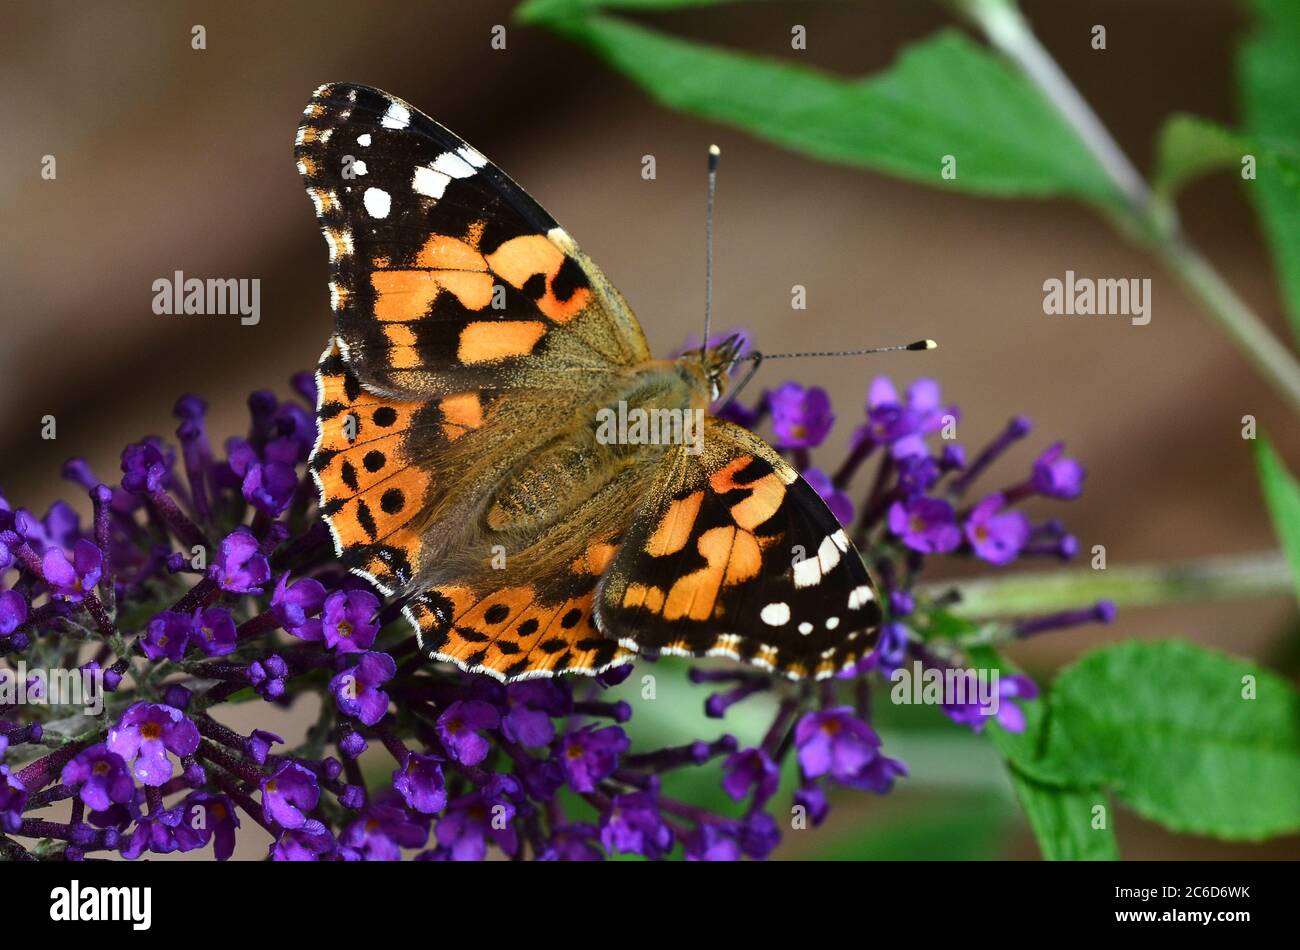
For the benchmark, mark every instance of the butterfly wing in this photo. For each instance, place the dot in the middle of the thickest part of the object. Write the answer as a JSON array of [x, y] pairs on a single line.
[[446, 276], [734, 554], [470, 331]]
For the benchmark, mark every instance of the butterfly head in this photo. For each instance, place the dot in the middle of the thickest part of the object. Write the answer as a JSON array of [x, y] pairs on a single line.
[[719, 361]]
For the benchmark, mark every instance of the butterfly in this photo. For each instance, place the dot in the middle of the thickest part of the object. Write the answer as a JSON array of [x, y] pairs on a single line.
[[458, 457]]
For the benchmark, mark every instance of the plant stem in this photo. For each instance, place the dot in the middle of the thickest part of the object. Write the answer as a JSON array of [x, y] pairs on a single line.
[[1009, 32], [1235, 577]]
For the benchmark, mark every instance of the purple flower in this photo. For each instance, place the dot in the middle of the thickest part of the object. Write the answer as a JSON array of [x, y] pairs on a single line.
[[750, 768], [903, 425], [708, 842], [891, 648], [458, 728], [835, 742], [759, 835], [532, 704], [573, 842], [801, 418], [102, 775], [13, 611], [633, 826], [213, 815], [289, 794], [72, 580], [840, 504], [1057, 477], [13, 799], [269, 488], [240, 567], [928, 525], [258, 745], [292, 603], [420, 783], [267, 676], [475, 819], [356, 690], [588, 755], [382, 832], [163, 832], [1010, 716], [917, 474], [167, 636], [144, 467], [814, 802], [145, 733], [310, 842], [214, 631], [346, 623], [995, 535]]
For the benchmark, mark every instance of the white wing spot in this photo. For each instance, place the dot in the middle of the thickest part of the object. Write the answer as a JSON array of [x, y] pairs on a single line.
[[431, 180], [452, 165], [428, 182], [775, 615], [359, 167], [377, 202], [805, 628], [807, 573], [472, 155], [832, 623], [828, 553], [860, 596], [397, 117], [364, 139]]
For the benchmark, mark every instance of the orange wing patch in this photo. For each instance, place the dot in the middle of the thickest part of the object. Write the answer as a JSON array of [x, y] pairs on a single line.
[[674, 528], [370, 490], [487, 342], [460, 413], [523, 259], [512, 633]]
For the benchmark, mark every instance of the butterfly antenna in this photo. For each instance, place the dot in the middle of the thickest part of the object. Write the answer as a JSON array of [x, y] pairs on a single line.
[[715, 154], [918, 345], [756, 358]]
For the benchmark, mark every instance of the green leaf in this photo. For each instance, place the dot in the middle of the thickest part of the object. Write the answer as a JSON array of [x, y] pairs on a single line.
[[1063, 821], [1189, 147], [1171, 729], [1268, 75], [1060, 811], [1282, 493], [945, 96]]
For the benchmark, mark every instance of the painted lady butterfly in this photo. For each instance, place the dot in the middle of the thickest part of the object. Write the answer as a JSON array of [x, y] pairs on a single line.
[[457, 455]]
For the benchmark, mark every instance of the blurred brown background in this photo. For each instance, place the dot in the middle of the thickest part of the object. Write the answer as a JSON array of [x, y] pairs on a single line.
[[175, 159]]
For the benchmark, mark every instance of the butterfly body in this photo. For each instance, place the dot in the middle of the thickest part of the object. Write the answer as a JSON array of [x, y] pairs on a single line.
[[497, 445]]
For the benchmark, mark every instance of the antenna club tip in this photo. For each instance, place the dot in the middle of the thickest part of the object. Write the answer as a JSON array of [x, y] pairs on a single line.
[[923, 345], [714, 151]]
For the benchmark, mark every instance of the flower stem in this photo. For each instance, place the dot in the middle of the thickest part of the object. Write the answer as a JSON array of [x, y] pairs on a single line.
[[1234, 577], [1009, 32]]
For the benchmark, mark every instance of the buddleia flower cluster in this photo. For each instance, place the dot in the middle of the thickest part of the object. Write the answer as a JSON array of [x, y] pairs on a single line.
[[205, 580]]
